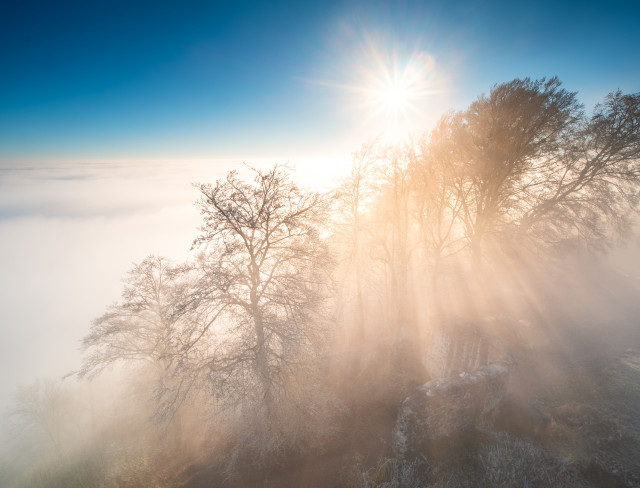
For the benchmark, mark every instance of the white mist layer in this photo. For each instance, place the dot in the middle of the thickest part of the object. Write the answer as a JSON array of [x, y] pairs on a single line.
[[70, 232]]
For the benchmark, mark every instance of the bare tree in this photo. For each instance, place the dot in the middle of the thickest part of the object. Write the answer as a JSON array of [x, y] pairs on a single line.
[[392, 241], [438, 200], [153, 325], [593, 184], [394, 228], [40, 416], [142, 327], [353, 196], [507, 144], [528, 162], [239, 325], [264, 270]]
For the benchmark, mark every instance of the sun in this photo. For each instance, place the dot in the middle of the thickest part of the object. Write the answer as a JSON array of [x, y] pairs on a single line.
[[388, 91], [394, 97], [395, 92]]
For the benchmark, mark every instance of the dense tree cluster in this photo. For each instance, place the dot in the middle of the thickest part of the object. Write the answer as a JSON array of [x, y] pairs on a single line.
[[524, 171], [522, 168]]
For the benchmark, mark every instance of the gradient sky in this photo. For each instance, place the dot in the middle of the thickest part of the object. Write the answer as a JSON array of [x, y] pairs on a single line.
[[109, 109], [192, 79]]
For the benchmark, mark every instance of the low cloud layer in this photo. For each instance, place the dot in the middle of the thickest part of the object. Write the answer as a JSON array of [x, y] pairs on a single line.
[[70, 232], [67, 236]]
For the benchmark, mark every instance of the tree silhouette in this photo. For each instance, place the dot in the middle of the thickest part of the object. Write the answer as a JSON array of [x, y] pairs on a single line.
[[526, 161], [242, 321], [143, 326], [264, 269], [352, 197], [593, 184]]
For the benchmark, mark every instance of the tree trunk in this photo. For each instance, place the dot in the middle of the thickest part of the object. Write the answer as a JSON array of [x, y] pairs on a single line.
[[262, 361]]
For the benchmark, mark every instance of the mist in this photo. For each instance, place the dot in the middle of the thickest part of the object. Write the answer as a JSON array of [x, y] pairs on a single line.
[[69, 233], [454, 309]]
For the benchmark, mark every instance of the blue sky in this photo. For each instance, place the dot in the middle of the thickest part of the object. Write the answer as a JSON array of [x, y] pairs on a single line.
[[197, 79]]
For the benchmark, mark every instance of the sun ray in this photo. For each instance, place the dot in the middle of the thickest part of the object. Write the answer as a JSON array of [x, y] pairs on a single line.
[[387, 89]]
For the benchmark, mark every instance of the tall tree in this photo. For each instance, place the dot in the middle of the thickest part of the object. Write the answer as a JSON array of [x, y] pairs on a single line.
[[393, 243], [143, 326], [353, 196], [593, 184], [264, 264], [438, 197], [151, 327], [508, 142], [527, 161]]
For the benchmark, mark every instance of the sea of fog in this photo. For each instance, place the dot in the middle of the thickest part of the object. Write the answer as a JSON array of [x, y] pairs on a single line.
[[69, 232]]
